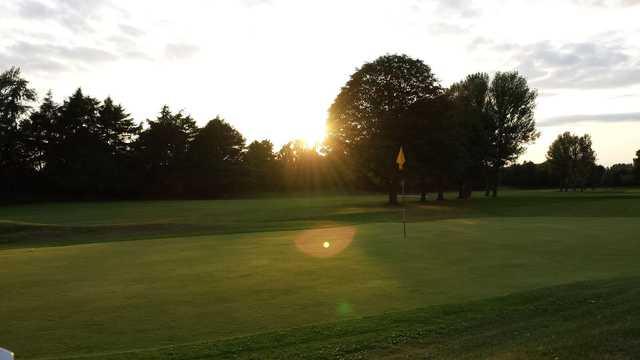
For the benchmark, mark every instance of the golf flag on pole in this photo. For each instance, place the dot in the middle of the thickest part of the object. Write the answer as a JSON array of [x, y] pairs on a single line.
[[400, 160]]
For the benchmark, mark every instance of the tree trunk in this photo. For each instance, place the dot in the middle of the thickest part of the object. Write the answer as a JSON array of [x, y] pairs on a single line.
[[487, 185], [496, 181], [423, 189], [467, 189], [440, 188], [393, 190]]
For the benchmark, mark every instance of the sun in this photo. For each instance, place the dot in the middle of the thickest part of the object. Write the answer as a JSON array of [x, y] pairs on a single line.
[[314, 137]]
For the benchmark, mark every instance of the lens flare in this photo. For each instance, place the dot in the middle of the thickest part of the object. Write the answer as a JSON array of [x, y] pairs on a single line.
[[325, 242]]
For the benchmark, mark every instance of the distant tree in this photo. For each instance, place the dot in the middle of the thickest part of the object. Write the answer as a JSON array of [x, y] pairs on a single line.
[[470, 100], [619, 175], [260, 163], [597, 177], [301, 167], [161, 151], [636, 166], [561, 156], [215, 159], [585, 161], [365, 120], [15, 99], [573, 160], [511, 105]]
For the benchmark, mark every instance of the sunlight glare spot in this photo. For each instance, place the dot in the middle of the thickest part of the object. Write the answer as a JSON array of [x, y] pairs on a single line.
[[314, 137], [325, 242]]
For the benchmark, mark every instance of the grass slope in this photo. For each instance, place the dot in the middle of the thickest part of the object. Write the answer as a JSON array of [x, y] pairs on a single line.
[[588, 320], [78, 277]]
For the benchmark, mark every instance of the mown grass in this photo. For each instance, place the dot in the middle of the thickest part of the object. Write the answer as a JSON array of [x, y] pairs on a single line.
[[586, 320], [77, 278]]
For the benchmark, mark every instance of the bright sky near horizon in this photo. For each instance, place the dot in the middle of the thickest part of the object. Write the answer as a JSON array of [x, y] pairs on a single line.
[[272, 67]]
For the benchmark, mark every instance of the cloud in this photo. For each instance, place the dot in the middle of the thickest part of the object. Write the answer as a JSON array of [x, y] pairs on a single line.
[[76, 15], [443, 28], [463, 8], [131, 30], [588, 65], [51, 58], [450, 8], [252, 3], [180, 51], [608, 3], [602, 62], [601, 118]]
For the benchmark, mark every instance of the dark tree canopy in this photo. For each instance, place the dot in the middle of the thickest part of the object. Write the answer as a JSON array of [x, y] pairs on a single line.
[[15, 98], [163, 148], [572, 159], [215, 158], [365, 120], [260, 163], [511, 104], [470, 100], [15, 101], [40, 133], [434, 146]]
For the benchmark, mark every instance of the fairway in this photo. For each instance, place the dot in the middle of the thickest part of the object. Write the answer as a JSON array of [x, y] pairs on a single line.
[[89, 278]]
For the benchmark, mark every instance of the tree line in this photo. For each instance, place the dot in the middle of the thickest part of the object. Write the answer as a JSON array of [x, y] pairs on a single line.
[[86, 148], [540, 176], [463, 137]]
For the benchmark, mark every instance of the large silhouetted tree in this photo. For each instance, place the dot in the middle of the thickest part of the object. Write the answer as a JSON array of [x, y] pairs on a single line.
[[511, 105], [79, 152], [117, 132], [435, 145], [117, 129], [215, 159], [472, 119], [162, 149], [365, 120], [15, 101], [40, 135]]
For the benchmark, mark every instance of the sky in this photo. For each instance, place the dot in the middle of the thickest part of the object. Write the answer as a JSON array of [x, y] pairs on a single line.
[[272, 68]]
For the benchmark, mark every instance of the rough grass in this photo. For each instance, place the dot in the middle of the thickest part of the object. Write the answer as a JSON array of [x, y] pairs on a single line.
[[77, 278]]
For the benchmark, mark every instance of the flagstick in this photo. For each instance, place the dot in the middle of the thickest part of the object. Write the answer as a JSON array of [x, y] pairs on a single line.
[[404, 213], [400, 160]]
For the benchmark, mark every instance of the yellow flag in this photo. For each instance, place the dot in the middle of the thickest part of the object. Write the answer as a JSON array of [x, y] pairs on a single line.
[[400, 160]]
